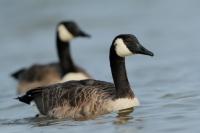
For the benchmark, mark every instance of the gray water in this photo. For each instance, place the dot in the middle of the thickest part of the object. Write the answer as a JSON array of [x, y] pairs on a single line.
[[167, 84]]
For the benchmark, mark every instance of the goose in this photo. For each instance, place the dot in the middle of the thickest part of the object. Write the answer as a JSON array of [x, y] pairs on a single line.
[[90, 98], [65, 70]]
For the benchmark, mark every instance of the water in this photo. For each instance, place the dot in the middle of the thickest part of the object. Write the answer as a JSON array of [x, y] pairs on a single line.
[[167, 84]]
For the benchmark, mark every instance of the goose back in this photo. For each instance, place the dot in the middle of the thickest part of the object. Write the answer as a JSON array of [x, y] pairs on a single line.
[[43, 75]]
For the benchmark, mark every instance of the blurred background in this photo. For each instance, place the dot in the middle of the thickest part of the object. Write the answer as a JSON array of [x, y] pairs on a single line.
[[167, 84]]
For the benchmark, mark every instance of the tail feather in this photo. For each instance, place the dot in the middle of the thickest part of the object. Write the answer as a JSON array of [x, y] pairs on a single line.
[[25, 99], [17, 74], [30, 95]]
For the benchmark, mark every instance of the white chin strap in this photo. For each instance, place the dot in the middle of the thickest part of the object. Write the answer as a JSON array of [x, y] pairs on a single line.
[[121, 48], [64, 33]]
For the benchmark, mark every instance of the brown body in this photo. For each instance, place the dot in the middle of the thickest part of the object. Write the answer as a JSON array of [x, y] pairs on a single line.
[[42, 75], [87, 99]]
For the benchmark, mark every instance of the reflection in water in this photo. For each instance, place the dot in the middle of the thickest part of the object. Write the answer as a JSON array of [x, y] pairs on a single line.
[[23, 121], [124, 116], [44, 121], [37, 121]]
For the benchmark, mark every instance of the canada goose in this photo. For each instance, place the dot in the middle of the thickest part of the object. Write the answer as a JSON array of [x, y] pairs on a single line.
[[89, 98], [46, 74]]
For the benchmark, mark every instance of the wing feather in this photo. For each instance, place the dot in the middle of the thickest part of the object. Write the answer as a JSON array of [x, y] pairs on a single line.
[[75, 95]]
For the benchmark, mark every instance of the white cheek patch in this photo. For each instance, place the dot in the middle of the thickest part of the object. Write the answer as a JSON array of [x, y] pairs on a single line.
[[64, 34], [121, 49], [74, 76]]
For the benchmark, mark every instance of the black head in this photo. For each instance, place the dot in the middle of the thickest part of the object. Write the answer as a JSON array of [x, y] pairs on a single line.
[[127, 44], [67, 30]]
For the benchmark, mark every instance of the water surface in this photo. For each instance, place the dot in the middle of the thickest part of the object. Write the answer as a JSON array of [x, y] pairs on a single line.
[[167, 84]]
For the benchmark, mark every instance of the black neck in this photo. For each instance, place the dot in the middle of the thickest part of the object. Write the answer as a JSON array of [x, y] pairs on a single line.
[[119, 75], [65, 60]]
